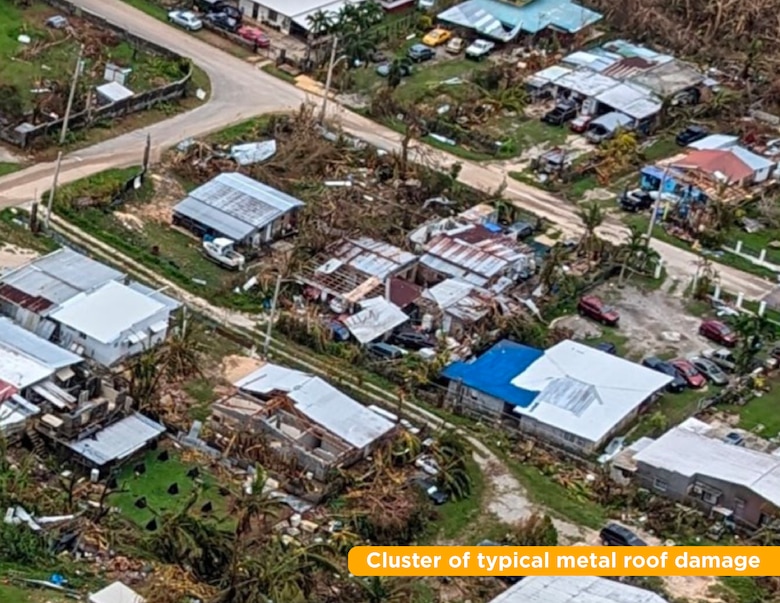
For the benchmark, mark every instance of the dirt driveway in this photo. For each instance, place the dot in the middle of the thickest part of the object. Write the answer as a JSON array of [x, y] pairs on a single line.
[[653, 323]]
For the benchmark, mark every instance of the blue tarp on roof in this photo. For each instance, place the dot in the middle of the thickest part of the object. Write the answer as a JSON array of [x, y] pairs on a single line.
[[492, 373]]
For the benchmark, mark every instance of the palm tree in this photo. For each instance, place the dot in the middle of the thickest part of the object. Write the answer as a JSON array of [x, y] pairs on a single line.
[[357, 47], [182, 352], [552, 268], [628, 252], [370, 13], [320, 23], [451, 452], [590, 243]]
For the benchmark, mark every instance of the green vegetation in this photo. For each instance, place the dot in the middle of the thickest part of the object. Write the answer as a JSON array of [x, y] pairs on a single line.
[[741, 589], [17, 594], [760, 411], [272, 69], [9, 168], [674, 408], [614, 337], [14, 231], [153, 485], [170, 252], [149, 7], [24, 68], [458, 517], [725, 258], [558, 499]]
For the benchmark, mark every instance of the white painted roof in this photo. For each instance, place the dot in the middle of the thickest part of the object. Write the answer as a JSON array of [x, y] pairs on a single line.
[[585, 391], [107, 312], [321, 402], [715, 142], [116, 593], [575, 589], [376, 318], [687, 450], [119, 440]]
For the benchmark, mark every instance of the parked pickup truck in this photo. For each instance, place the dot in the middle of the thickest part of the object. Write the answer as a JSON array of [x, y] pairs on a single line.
[[479, 49]]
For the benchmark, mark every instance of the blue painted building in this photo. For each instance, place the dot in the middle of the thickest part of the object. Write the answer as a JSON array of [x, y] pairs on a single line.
[[503, 21], [570, 395]]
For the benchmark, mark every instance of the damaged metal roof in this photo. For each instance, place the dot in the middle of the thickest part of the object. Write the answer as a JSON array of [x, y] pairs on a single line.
[[377, 317], [235, 205], [575, 589], [119, 440]]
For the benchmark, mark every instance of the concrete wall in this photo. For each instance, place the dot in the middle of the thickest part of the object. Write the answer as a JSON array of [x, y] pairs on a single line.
[[746, 505], [110, 354], [138, 102], [259, 12]]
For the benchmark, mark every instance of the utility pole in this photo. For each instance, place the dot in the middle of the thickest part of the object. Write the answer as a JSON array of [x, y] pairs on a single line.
[[272, 315], [147, 153], [657, 205], [329, 78], [73, 83], [53, 189]]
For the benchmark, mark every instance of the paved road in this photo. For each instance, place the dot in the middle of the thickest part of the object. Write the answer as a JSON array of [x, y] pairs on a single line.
[[240, 91]]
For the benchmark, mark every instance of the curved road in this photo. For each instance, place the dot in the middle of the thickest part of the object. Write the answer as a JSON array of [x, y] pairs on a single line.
[[240, 91]]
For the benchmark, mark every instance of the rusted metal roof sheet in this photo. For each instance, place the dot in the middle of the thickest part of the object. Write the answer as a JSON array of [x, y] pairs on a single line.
[[33, 303]]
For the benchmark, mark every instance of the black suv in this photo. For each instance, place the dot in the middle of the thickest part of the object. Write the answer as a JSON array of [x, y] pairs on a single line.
[[678, 384], [616, 535], [209, 6], [634, 201], [413, 340], [223, 21], [560, 114]]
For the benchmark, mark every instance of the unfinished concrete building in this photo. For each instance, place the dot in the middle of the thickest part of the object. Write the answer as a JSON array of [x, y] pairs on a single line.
[[304, 418]]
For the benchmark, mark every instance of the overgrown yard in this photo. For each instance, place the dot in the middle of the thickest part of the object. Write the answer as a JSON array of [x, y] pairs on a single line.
[[140, 226], [36, 75]]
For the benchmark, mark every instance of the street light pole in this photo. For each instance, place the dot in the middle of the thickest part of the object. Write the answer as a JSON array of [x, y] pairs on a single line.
[[329, 78], [272, 315], [72, 93]]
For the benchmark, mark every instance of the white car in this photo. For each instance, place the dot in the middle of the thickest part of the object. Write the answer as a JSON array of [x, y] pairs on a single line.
[[186, 19], [480, 49]]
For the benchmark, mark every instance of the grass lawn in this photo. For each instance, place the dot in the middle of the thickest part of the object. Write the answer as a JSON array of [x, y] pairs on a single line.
[[754, 242], [457, 518], [13, 230], [10, 593], [57, 57], [642, 221], [760, 411], [154, 484], [615, 338], [675, 407], [9, 168], [174, 254], [661, 147]]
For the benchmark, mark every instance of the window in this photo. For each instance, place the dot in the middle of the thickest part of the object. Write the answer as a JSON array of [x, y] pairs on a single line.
[[273, 16], [739, 504], [710, 498], [660, 485]]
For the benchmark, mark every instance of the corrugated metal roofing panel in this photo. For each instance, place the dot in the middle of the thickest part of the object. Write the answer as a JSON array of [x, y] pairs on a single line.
[[95, 313], [231, 200], [156, 295], [118, 441], [31, 345], [686, 451], [215, 219], [321, 402], [715, 142], [586, 82], [753, 161], [377, 317], [575, 589], [374, 258]]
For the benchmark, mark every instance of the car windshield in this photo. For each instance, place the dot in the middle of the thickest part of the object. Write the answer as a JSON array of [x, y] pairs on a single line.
[[688, 370], [607, 309]]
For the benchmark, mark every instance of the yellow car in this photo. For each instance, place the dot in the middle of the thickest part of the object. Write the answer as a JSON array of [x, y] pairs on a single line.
[[436, 37]]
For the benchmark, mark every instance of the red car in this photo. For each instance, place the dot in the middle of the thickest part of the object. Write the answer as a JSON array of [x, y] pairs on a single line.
[[580, 123], [254, 35], [593, 307], [688, 372], [720, 333]]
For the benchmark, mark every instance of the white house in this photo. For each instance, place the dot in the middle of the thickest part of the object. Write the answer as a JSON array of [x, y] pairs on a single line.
[[570, 395], [111, 323], [575, 589], [290, 16]]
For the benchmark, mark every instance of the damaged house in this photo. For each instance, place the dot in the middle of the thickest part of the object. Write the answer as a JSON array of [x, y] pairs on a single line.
[[304, 417], [693, 464], [353, 270], [48, 391], [72, 300], [570, 395], [236, 207]]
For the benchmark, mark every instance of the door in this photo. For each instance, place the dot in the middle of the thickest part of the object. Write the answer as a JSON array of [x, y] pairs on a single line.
[[255, 10]]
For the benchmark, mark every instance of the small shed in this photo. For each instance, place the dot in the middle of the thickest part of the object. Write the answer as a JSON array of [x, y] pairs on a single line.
[[116, 593], [377, 318], [112, 92]]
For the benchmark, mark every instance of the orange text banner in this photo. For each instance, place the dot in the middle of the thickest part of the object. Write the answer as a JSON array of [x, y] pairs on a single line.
[[565, 561]]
